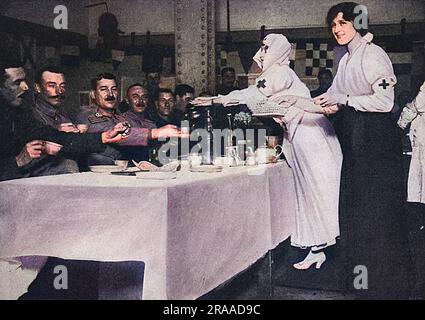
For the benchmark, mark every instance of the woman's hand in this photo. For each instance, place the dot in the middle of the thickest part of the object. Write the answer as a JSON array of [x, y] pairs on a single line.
[[305, 104], [330, 110], [226, 101], [327, 99]]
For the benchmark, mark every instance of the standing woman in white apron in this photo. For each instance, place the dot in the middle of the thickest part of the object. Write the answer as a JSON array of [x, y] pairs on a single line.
[[310, 146]]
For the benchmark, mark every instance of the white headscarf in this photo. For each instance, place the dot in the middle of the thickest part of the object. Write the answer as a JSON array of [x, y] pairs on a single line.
[[275, 50]]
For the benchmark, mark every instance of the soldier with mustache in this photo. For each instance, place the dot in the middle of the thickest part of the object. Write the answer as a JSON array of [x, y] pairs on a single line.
[[50, 85], [139, 101], [104, 116]]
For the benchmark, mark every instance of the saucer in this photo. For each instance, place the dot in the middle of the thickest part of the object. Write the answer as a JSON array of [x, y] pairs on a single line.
[[206, 168], [104, 169]]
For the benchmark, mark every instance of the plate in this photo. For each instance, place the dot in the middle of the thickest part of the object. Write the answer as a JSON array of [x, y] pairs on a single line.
[[131, 170], [104, 169], [206, 168], [156, 175]]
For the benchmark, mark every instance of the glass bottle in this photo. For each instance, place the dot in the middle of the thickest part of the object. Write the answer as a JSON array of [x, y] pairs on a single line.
[[208, 153]]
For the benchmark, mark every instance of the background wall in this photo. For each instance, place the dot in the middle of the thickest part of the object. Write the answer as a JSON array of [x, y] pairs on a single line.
[[137, 16], [41, 12], [157, 16], [278, 14]]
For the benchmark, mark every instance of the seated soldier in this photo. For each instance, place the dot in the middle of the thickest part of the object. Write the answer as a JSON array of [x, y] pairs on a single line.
[[23, 150], [184, 95], [325, 78], [165, 112], [50, 86], [104, 116], [23, 138], [228, 79], [138, 99]]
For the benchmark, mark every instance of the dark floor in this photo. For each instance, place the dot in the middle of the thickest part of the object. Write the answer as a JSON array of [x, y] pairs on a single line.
[[327, 283], [270, 278], [286, 282]]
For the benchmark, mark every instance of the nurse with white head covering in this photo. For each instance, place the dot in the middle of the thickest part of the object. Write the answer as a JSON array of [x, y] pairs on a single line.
[[310, 146]]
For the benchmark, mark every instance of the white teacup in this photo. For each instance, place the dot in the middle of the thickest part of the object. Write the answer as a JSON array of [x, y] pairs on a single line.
[[195, 159], [52, 148], [221, 161], [121, 164], [184, 165]]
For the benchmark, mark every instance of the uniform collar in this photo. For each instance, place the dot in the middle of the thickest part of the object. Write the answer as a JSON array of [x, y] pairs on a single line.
[[102, 113], [46, 108], [141, 115], [355, 43]]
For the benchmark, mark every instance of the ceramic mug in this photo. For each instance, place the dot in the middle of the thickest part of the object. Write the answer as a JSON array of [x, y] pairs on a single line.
[[121, 164], [195, 159]]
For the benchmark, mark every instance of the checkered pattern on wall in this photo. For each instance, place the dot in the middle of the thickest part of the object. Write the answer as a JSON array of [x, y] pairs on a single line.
[[309, 57]]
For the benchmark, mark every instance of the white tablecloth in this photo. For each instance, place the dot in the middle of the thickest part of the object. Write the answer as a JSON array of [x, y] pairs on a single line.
[[193, 233]]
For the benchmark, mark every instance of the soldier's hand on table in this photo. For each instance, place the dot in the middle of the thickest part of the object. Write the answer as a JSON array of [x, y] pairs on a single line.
[[32, 150], [168, 131]]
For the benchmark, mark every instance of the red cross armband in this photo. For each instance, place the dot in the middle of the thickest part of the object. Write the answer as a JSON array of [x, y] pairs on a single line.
[[384, 84]]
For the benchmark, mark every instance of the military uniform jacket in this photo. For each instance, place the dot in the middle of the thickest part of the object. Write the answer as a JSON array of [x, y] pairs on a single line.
[[100, 122], [18, 126], [49, 115]]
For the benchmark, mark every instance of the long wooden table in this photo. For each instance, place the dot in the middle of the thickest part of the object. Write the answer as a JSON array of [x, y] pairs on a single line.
[[193, 233]]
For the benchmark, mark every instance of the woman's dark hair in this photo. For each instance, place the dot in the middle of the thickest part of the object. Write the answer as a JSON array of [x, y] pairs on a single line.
[[347, 9], [349, 13]]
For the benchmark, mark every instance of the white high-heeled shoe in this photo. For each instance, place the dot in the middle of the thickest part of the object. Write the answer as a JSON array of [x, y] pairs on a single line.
[[312, 258]]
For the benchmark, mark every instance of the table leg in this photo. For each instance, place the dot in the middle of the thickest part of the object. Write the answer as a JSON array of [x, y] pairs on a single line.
[[265, 277]]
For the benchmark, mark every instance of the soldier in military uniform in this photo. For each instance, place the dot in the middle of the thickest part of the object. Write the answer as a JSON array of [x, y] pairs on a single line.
[[139, 99], [50, 86], [104, 116]]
